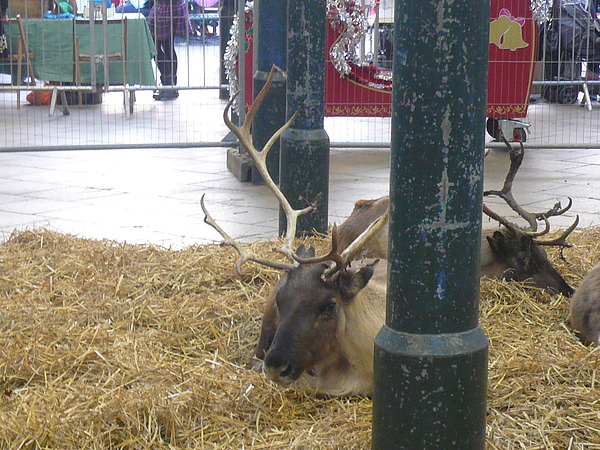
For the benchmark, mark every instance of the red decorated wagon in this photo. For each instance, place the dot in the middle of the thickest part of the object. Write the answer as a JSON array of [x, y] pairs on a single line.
[[361, 89]]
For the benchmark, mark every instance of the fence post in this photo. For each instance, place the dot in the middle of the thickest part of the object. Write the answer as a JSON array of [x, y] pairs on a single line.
[[271, 36], [304, 161], [431, 354]]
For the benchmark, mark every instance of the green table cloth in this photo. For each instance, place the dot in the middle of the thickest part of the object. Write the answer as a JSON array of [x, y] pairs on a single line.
[[51, 42]]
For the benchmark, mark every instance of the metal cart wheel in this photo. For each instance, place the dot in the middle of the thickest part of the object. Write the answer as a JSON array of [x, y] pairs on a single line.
[[493, 128], [549, 94], [567, 95], [519, 134]]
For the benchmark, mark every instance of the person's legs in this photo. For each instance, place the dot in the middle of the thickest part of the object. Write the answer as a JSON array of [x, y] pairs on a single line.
[[160, 63], [166, 61]]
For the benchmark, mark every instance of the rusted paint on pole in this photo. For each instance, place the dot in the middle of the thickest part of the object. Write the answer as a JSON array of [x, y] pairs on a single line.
[[272, 45], [431, 355], [304, 161]]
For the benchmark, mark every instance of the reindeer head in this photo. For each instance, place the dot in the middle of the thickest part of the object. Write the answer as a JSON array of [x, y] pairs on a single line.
[[521, 249], [526, 261], [509, 252], [307, 320]]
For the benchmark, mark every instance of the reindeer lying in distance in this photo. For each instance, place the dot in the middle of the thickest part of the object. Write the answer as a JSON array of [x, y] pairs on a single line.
[[508, 252], [585, 308]]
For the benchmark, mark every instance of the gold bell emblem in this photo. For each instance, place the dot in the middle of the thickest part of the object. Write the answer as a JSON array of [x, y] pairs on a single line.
[[506, 32]]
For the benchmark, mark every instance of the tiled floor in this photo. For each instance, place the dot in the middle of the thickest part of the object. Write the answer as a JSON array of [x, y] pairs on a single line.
[[153, 195]]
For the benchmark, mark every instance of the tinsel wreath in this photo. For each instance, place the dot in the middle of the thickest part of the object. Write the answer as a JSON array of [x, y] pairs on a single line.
[[232, 51], [540, 10], [344, 15], [348, 17]]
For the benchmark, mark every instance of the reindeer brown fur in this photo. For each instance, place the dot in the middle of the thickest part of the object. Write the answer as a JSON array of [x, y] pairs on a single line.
[[322, 316], [585, 307], [325, 327], [506, 253]]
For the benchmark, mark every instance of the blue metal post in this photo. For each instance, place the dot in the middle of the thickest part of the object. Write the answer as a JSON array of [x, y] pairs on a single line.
[[304, 162], [431, 355], [271, 37]]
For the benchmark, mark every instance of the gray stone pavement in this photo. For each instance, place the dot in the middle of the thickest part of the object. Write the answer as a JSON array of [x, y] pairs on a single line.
[[153, 195]]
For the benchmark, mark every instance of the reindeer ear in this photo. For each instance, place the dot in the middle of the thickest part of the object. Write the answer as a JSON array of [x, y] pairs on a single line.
[[497, 242], [351, 283], [304, 252]]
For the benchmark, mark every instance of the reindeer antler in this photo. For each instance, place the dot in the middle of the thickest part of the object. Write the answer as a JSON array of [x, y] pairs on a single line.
[[333, 254], [342, 260], [244, 135], [245, 253], [561, 240], [357, 244], [259, 158], [508, 224], [516, 158]]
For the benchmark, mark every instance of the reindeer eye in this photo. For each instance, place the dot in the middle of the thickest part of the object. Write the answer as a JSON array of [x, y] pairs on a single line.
[[327, 310]]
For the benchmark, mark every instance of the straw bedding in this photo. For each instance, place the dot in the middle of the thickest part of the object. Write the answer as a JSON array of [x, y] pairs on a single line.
[[111, 345]]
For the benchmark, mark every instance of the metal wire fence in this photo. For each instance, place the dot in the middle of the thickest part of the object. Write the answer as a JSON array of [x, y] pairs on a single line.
[[552, 106]]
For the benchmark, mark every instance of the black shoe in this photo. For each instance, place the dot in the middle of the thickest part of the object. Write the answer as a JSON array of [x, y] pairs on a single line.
[[156, 94], [167, 95]]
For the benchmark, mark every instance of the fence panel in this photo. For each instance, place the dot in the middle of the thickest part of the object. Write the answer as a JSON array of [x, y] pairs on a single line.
[[562, 81], [102, 120]]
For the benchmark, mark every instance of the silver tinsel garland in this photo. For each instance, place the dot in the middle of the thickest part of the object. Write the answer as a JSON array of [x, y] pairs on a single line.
[[348, 17], [230, 56], [344, 14], [540, 10]]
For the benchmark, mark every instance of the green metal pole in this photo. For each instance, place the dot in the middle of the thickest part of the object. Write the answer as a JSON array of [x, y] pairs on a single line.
[[431, 354], [271, 37], [304, 161]]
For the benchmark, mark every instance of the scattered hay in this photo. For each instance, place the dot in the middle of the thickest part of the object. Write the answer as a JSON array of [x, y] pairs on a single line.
[[109, 345]]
